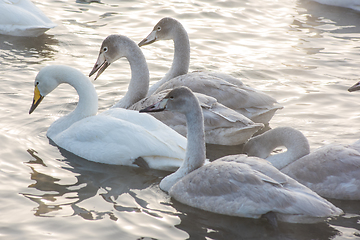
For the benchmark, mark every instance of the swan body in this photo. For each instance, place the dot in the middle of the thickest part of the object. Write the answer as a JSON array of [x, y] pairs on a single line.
[[353, 4], [250, 102], [117, 136], [22, 18], [223, 125], [332, 171], [235, 185]]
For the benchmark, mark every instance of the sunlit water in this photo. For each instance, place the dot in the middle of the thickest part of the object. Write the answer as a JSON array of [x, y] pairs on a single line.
[[302, 53]]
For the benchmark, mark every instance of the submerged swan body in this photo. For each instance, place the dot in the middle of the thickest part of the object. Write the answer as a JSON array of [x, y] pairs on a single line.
[[248, 101], [117, 136], [235, 185], [22, 18], [223, 125], [332, 171], [353, 4]]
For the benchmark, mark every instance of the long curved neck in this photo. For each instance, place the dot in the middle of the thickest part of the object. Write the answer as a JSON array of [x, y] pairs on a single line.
[[195, 150], [87, 104], [295, 142], [139, 83], [181, 61]]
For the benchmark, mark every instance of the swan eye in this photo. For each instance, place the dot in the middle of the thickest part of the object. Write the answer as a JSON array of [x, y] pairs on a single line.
[[171, 97], [105, 49], [158, 28], [37, 83]]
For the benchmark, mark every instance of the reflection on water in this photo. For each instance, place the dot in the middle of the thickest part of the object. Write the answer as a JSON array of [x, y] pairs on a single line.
[[27, 48], [201, 225], [111, 181], [118, 190]]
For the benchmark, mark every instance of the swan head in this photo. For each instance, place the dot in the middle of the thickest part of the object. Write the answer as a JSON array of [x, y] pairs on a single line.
[[45, 82], [112, 48], [179, 99], [355, 87], [48, 79], [163, 30], [252, 148]]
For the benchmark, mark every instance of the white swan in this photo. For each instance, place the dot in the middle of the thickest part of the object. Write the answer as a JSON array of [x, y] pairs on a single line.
[[22, 18], [332, 171], [116, 136], [228, 90], [353, 4], [235, 185], [223, 126]]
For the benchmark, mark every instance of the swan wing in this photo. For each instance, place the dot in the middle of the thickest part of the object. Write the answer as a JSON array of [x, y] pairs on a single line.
[[332, 171], [202, 82], [119, 136], [223, 125], [250, 102], [231, 186]]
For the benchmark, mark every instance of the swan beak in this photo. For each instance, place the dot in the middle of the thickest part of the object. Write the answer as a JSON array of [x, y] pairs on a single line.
[[157, 107], [37, 99], [100, 66], [355, 87], [149, 39]]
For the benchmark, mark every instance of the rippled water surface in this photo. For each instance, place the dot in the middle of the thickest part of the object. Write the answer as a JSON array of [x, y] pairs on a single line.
[[302, 53]]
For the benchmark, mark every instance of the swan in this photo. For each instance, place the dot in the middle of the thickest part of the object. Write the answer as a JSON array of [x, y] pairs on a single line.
[[22, 18], [353, 4], [235, 185], [332, 171], [116, 136], [248, 101], [223, 126]]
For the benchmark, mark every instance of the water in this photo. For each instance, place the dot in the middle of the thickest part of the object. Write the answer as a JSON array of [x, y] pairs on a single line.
[[302, 53]]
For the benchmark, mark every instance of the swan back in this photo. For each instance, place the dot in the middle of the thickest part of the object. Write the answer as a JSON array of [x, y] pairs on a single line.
[[22, 18], [237, 185], [353, 4], [332, 171], [262, 145]]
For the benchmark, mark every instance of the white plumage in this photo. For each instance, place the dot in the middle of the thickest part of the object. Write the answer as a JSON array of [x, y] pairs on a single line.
[[22, 18], [116, 136]]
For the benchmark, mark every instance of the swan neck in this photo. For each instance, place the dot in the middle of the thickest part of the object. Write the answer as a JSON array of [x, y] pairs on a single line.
[[293, 140], [87, 105], [195, 149], [181, 61], [195, 154], [139, 82]]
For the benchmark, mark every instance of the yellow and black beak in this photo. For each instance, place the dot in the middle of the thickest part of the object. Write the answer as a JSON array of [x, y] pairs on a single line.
[[37, 99]]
